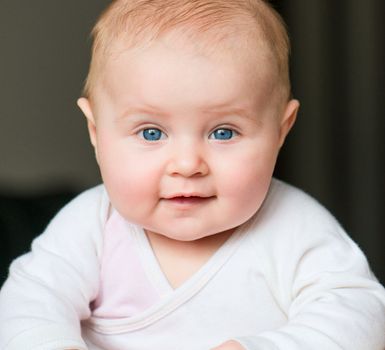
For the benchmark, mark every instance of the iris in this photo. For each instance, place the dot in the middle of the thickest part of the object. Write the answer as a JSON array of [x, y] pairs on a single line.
[[222, 134], [152, 134]]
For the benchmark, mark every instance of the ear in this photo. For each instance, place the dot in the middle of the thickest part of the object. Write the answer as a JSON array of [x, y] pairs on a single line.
[[85, 106], [288, 119]]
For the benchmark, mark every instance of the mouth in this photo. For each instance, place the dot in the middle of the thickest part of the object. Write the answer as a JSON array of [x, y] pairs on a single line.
[[188, 200]]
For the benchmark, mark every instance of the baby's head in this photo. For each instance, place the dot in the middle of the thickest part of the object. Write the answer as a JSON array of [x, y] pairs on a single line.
[[188, 104], [212, 25]]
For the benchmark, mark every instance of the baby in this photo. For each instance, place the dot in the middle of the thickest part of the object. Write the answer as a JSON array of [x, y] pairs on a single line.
[[189, 243]]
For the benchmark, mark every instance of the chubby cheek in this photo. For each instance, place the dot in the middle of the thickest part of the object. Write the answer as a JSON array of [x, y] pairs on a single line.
[[129, 178], [247, 182]]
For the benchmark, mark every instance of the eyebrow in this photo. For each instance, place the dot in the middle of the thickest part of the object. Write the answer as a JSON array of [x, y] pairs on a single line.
[[225, 109], [130, 111], [217, 110], [247, 112]]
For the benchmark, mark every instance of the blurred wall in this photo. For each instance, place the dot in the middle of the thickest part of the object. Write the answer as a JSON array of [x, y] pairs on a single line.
[[336, 151], [43, 62]]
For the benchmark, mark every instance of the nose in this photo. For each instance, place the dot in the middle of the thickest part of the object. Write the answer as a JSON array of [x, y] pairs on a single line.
[[187, 160]]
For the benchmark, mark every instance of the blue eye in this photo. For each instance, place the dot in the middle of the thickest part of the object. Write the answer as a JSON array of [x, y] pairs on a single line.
[[222, 134], [152, 134]]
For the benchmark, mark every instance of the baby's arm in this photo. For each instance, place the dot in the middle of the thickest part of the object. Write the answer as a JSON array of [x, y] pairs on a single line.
[[48, 291], [333, 303]]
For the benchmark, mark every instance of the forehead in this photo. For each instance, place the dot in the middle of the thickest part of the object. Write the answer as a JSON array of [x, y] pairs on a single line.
[[174, 74], [240, 49], [235, 48]]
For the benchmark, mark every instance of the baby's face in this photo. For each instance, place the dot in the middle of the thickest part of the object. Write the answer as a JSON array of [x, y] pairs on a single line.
[[186, 143]]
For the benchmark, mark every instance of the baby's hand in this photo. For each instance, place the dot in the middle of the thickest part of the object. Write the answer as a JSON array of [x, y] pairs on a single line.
[[230, 345]]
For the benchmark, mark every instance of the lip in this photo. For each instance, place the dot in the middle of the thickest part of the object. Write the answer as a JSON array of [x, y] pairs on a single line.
[[187, 195], [186, 201]]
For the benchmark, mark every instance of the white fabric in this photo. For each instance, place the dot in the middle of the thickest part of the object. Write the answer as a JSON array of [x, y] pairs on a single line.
[[126, 287], [289, 279]]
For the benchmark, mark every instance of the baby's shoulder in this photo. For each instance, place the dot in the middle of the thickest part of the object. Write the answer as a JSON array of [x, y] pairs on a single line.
[[292, 205], [91, 202], [288, 214], [291, 225], [83, 218]]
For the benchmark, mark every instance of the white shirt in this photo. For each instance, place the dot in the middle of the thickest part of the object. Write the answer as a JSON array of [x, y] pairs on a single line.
[[290, 278]]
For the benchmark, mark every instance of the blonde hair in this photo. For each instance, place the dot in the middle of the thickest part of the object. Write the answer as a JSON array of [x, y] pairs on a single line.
[[140, 21]]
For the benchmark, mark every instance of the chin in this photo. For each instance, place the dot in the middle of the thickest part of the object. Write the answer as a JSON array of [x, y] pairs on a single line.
[[190, 236], [182, 234], [186, 237]]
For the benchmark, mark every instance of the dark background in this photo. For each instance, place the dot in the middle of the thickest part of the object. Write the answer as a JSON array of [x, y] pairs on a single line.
[[335, 152]]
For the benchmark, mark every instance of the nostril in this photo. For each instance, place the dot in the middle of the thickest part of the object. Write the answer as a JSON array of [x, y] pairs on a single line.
[[188, 168]]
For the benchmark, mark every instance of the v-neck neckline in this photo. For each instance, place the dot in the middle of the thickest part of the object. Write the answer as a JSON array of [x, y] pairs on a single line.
[[171, 298], [155, 272], [151, 264]]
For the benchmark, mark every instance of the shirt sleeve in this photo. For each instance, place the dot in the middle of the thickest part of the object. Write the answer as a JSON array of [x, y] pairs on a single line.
[[323, 282], [49, 290]]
